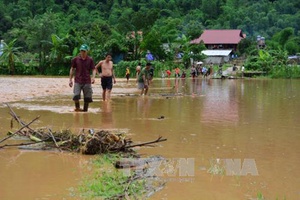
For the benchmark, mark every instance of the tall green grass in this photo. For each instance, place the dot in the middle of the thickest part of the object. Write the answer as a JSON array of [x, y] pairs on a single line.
[[287, 71]]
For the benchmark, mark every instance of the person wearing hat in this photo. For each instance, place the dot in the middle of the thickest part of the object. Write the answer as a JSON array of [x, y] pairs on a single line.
[[82, 66]]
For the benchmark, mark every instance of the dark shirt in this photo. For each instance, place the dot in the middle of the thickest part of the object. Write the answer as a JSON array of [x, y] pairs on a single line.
[[83, 69], [151, 71]]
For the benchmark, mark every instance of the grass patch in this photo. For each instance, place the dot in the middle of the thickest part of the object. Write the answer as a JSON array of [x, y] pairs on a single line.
[[107, 182]]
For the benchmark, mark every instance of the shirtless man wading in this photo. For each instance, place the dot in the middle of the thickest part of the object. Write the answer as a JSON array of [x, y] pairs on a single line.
[[107, 76]]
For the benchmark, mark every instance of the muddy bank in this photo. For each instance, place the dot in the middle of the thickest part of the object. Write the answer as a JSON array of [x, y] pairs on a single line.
[[16, 88]]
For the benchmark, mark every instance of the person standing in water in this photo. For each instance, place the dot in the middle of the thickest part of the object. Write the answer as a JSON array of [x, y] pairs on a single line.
[[107, 76], [138, 71], [127, 74], [82, 66], [144, 79]]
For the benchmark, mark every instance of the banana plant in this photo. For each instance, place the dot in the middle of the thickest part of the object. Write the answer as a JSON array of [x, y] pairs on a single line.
[[265, 59], [58, 48], [10, 54]]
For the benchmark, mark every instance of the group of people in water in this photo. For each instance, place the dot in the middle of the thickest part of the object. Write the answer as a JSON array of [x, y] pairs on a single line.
[[81, 68], [83, 65], [199, 70]]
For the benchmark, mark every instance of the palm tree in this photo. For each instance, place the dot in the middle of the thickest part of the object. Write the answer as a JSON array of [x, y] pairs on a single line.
[[10, 55]]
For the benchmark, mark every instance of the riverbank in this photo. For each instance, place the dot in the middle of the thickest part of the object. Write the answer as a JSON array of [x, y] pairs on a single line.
[[16, 88]]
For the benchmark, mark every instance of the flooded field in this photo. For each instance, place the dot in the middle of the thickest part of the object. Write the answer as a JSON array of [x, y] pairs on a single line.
[[247, 129]]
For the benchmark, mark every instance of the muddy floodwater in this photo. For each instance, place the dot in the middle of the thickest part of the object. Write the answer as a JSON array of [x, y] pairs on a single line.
[[246, 129]]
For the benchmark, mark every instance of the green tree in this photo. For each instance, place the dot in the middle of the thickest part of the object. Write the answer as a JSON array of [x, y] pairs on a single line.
[[133, 35], [116, 44], [192, 24], [169, 29], [293, 45], [246, 45], [37, 30], [153, 42], [145, 19], [5, 20], [10, 55], [287, 40], [285, 35], [211, 10], [116, 12]]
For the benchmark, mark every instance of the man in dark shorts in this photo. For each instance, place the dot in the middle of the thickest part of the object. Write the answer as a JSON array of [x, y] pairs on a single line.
[[82, 65], [106, 83]]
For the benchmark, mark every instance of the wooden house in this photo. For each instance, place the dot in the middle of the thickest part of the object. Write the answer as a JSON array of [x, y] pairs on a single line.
[[221, 44]]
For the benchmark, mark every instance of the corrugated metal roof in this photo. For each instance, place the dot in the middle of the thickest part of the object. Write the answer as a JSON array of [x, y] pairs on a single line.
[[220, 37], [217, 52]]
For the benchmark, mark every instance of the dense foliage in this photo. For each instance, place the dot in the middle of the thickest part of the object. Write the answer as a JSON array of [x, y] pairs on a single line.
[[46, 34]]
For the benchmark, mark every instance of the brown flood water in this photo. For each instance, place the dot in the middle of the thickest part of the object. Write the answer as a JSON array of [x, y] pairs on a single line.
[[203, 120]]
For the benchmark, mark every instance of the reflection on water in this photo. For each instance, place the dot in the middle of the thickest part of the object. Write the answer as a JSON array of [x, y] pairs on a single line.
[[203, 119], [81, 119], [143, 106], [220, 104], [107, 116]]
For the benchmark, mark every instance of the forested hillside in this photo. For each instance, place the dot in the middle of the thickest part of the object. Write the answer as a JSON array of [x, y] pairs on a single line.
[[252, 16], [51, 30]]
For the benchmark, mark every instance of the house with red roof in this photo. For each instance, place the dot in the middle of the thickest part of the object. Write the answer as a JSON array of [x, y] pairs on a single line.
[[220, 44], [220, 39]]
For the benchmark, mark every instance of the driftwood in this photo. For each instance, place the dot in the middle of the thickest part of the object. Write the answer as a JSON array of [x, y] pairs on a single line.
[[54, 140], [14, 115], [136, 162], [19, 131], [159, 139], [19, 145], [93, 142]]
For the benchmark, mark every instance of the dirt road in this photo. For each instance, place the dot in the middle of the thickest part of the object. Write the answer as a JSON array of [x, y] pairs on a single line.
[[16, 88]]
